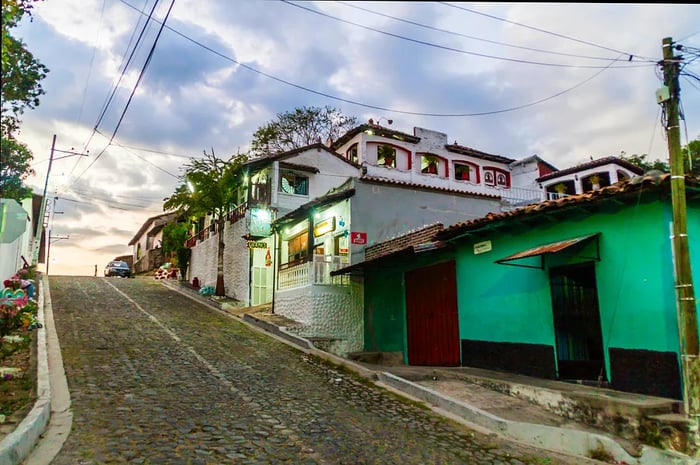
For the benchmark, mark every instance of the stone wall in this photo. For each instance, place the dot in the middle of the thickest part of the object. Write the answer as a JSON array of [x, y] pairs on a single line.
[[332, 316]]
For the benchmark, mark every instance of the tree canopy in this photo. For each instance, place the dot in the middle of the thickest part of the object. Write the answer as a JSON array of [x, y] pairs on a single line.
[[209, 186], [20, 88], [690, 153], [300, 127]]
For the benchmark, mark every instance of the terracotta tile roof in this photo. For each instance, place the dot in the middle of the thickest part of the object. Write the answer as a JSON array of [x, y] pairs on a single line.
[[592, 164], [378, 131], [298, 167], [461, 149], [381, 180], [652, 180], [158, 220], [409, 239], [259, 162]]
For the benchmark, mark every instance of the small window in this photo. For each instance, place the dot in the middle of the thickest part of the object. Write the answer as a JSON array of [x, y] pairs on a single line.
[[297, 247], [386, 156], [463, 172], [351, 154], [429, 164], [293, 183], [496, 177]]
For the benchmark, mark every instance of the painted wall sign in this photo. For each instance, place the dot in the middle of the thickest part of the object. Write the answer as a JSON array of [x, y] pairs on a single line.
[[324, 226], [482, 247], [257, 245], [358, 238]]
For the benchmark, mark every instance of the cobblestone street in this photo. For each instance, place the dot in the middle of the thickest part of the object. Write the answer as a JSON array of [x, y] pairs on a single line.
[[156, 378]]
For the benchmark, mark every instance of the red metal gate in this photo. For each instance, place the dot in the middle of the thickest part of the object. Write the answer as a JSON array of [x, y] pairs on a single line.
[[431, 315]]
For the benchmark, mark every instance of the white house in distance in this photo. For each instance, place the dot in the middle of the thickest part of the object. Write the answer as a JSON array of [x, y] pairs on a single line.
[[146, 243]]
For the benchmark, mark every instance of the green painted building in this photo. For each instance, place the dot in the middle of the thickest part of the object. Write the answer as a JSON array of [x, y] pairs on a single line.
[[580, 288]]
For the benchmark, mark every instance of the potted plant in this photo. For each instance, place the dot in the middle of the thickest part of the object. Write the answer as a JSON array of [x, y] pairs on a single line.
[[560, 188], [595, 182]]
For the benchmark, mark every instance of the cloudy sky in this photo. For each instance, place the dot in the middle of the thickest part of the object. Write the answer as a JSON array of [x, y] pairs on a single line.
[[564, 81]]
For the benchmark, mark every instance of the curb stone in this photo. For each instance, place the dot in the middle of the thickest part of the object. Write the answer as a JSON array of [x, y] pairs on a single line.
[[17, 445]]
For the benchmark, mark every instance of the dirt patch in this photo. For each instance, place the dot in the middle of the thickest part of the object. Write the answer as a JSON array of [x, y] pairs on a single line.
[[17, 380]]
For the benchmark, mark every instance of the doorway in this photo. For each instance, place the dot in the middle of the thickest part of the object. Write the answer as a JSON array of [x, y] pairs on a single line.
[[579, 339]]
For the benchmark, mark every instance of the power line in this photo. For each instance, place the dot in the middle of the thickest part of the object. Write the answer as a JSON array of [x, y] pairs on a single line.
[[544, 31], [452, 49], [481, 39], [124, 66], [365, 105], [133, 91]]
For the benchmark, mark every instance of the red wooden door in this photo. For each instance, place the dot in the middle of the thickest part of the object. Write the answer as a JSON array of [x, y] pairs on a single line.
[[431, 315]]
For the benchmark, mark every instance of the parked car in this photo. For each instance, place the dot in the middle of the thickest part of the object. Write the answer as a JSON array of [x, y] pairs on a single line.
[[118, 268]]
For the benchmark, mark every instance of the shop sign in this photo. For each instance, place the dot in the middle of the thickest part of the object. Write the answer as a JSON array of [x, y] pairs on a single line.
[[358, 238]]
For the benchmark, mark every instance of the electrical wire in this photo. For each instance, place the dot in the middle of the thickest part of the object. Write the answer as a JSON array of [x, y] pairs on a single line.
[[124, 66], [544, 31], [365, 105], [481, 39], [133, 91], [451, 49]]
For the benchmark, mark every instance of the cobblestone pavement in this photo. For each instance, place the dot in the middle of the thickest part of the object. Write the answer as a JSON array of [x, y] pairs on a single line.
[[156, 378]]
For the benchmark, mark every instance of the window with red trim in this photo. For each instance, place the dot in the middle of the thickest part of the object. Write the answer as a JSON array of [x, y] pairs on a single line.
[[465, 171], [496, 177]]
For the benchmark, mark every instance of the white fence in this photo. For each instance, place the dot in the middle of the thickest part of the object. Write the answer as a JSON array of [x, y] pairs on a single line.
[[317, 271]]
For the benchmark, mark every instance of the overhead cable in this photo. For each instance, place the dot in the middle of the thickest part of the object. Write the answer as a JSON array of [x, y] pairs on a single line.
[[365, 105], [456, 50]]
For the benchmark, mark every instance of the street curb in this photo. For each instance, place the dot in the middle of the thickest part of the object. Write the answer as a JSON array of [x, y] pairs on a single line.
[[563, 440], [269, 327], [16, 446]]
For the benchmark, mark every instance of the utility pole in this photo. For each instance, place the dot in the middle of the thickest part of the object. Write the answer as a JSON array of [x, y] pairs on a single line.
[[686, 303], [40, 227], [42, 214]]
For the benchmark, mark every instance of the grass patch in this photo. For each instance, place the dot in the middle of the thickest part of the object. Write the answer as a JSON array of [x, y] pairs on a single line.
[[17, 389]]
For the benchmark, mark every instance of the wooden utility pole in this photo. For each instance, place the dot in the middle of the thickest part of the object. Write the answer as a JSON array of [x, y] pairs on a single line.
[[687, 306], [42, 212]]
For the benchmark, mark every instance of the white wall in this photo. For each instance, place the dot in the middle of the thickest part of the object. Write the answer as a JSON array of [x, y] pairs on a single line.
[[204, 261], [236, 260], [326, 311]]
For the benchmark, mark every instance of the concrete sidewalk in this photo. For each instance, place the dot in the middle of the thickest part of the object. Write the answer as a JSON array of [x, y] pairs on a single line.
[[527, 410]]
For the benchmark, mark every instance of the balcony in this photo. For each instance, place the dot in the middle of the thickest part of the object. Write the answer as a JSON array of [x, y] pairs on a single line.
[[316, 272]]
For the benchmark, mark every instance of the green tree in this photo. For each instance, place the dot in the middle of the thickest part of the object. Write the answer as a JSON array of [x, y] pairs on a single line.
[[691, 155], [20, 89], [174, 237], [640, 161], [299, 128], [209, 188]]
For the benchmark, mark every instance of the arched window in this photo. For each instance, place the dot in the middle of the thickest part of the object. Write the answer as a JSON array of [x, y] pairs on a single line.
[[466, 171], [496, 177], [386, 156], [351, 153]]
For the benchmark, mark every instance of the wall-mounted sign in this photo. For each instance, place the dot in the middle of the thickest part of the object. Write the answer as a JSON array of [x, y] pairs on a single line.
[[358, 238], [257, 245], [325, 226], [482, 247], [260, 222]]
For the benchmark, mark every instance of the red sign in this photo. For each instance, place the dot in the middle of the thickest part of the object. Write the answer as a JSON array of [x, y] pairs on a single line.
[[358, 238]]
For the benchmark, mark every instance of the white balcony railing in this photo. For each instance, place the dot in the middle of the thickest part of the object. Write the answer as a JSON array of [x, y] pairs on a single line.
[[317, 271]]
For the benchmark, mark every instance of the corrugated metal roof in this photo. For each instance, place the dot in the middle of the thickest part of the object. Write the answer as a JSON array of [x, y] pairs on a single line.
[[547, 248]]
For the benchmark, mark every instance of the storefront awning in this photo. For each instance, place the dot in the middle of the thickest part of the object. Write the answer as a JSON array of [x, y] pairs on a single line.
[[548, 249]]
